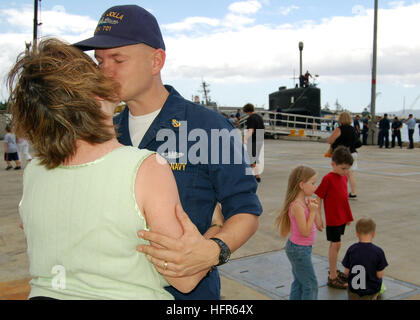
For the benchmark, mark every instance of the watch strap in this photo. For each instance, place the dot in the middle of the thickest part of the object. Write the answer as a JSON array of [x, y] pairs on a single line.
[[224, 251]]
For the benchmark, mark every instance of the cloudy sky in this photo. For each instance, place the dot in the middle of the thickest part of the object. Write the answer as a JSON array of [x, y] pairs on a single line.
[[245, 50]]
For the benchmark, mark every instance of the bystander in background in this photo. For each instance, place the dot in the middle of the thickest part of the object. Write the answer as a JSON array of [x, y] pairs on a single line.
[[411, 124], [384, 131], [345, 135], [356, 124], [10, 149], [396, 132], [254, 139], [365, 129], [23, 149]]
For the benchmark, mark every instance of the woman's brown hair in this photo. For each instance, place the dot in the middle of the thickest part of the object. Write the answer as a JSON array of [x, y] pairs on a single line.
[[249, 107], [54, 100], [298, 175]]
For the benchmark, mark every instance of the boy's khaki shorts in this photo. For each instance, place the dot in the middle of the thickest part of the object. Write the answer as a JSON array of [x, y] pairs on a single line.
[[355, 296]]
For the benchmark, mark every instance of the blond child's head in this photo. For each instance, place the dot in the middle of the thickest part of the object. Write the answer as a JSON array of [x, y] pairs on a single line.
[[298, 176], [365, 229]]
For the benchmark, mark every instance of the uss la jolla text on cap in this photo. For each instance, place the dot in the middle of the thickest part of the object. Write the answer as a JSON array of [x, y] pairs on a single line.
[[123, 26]]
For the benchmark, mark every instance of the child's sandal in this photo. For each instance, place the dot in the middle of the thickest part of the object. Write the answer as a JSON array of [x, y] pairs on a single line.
[[336, 283], [342, 276]]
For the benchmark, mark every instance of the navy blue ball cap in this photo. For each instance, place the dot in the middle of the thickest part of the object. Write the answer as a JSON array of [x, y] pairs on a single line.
[[123, 26]]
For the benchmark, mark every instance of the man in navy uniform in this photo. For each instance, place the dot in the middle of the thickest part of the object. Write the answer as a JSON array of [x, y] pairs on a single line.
[[396, 132], [384, 131], [130, 49]]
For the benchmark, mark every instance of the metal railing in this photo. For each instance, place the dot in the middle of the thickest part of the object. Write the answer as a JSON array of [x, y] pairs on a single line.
[[280, 123]]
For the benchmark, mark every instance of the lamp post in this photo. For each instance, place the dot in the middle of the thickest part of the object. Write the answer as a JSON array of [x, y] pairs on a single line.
[[373, 91], [300, 64], [35, 39]]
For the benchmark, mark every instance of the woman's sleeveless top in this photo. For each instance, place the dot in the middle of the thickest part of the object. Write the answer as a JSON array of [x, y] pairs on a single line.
[[81, 224], [295, 235]]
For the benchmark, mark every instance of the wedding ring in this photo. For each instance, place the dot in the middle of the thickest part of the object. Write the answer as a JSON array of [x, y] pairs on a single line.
[[165, 265]]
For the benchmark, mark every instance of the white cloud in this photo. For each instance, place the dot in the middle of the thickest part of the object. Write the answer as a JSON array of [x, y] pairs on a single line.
[[336, 48], [54, 22], [358, 10], [230, 21], [58, 8], [236, 18], [190, 23], [408, 85], [237, 49], [396, 3], [245, 7], [236, 21], [286, 10]]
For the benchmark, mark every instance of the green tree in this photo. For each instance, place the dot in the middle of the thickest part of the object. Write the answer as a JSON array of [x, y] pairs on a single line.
[[3, 105]]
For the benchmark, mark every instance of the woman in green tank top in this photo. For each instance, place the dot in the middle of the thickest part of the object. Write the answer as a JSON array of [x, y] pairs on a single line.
[[85, 195]]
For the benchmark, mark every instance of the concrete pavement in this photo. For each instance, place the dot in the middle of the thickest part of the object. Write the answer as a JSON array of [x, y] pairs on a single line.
[[388, 183]]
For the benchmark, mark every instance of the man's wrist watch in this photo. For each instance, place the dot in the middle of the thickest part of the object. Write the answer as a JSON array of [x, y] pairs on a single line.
[[224, 251]]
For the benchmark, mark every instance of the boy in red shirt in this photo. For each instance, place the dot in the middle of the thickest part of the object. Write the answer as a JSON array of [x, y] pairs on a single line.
[[333, 190]]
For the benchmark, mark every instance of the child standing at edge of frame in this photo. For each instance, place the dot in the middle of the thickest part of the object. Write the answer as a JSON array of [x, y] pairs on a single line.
[[299, 217], [23, 148], [333, 190], [10, 149], [364, 264]]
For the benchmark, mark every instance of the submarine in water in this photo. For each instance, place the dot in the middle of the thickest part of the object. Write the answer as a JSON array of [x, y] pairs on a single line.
[[304, 99]]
